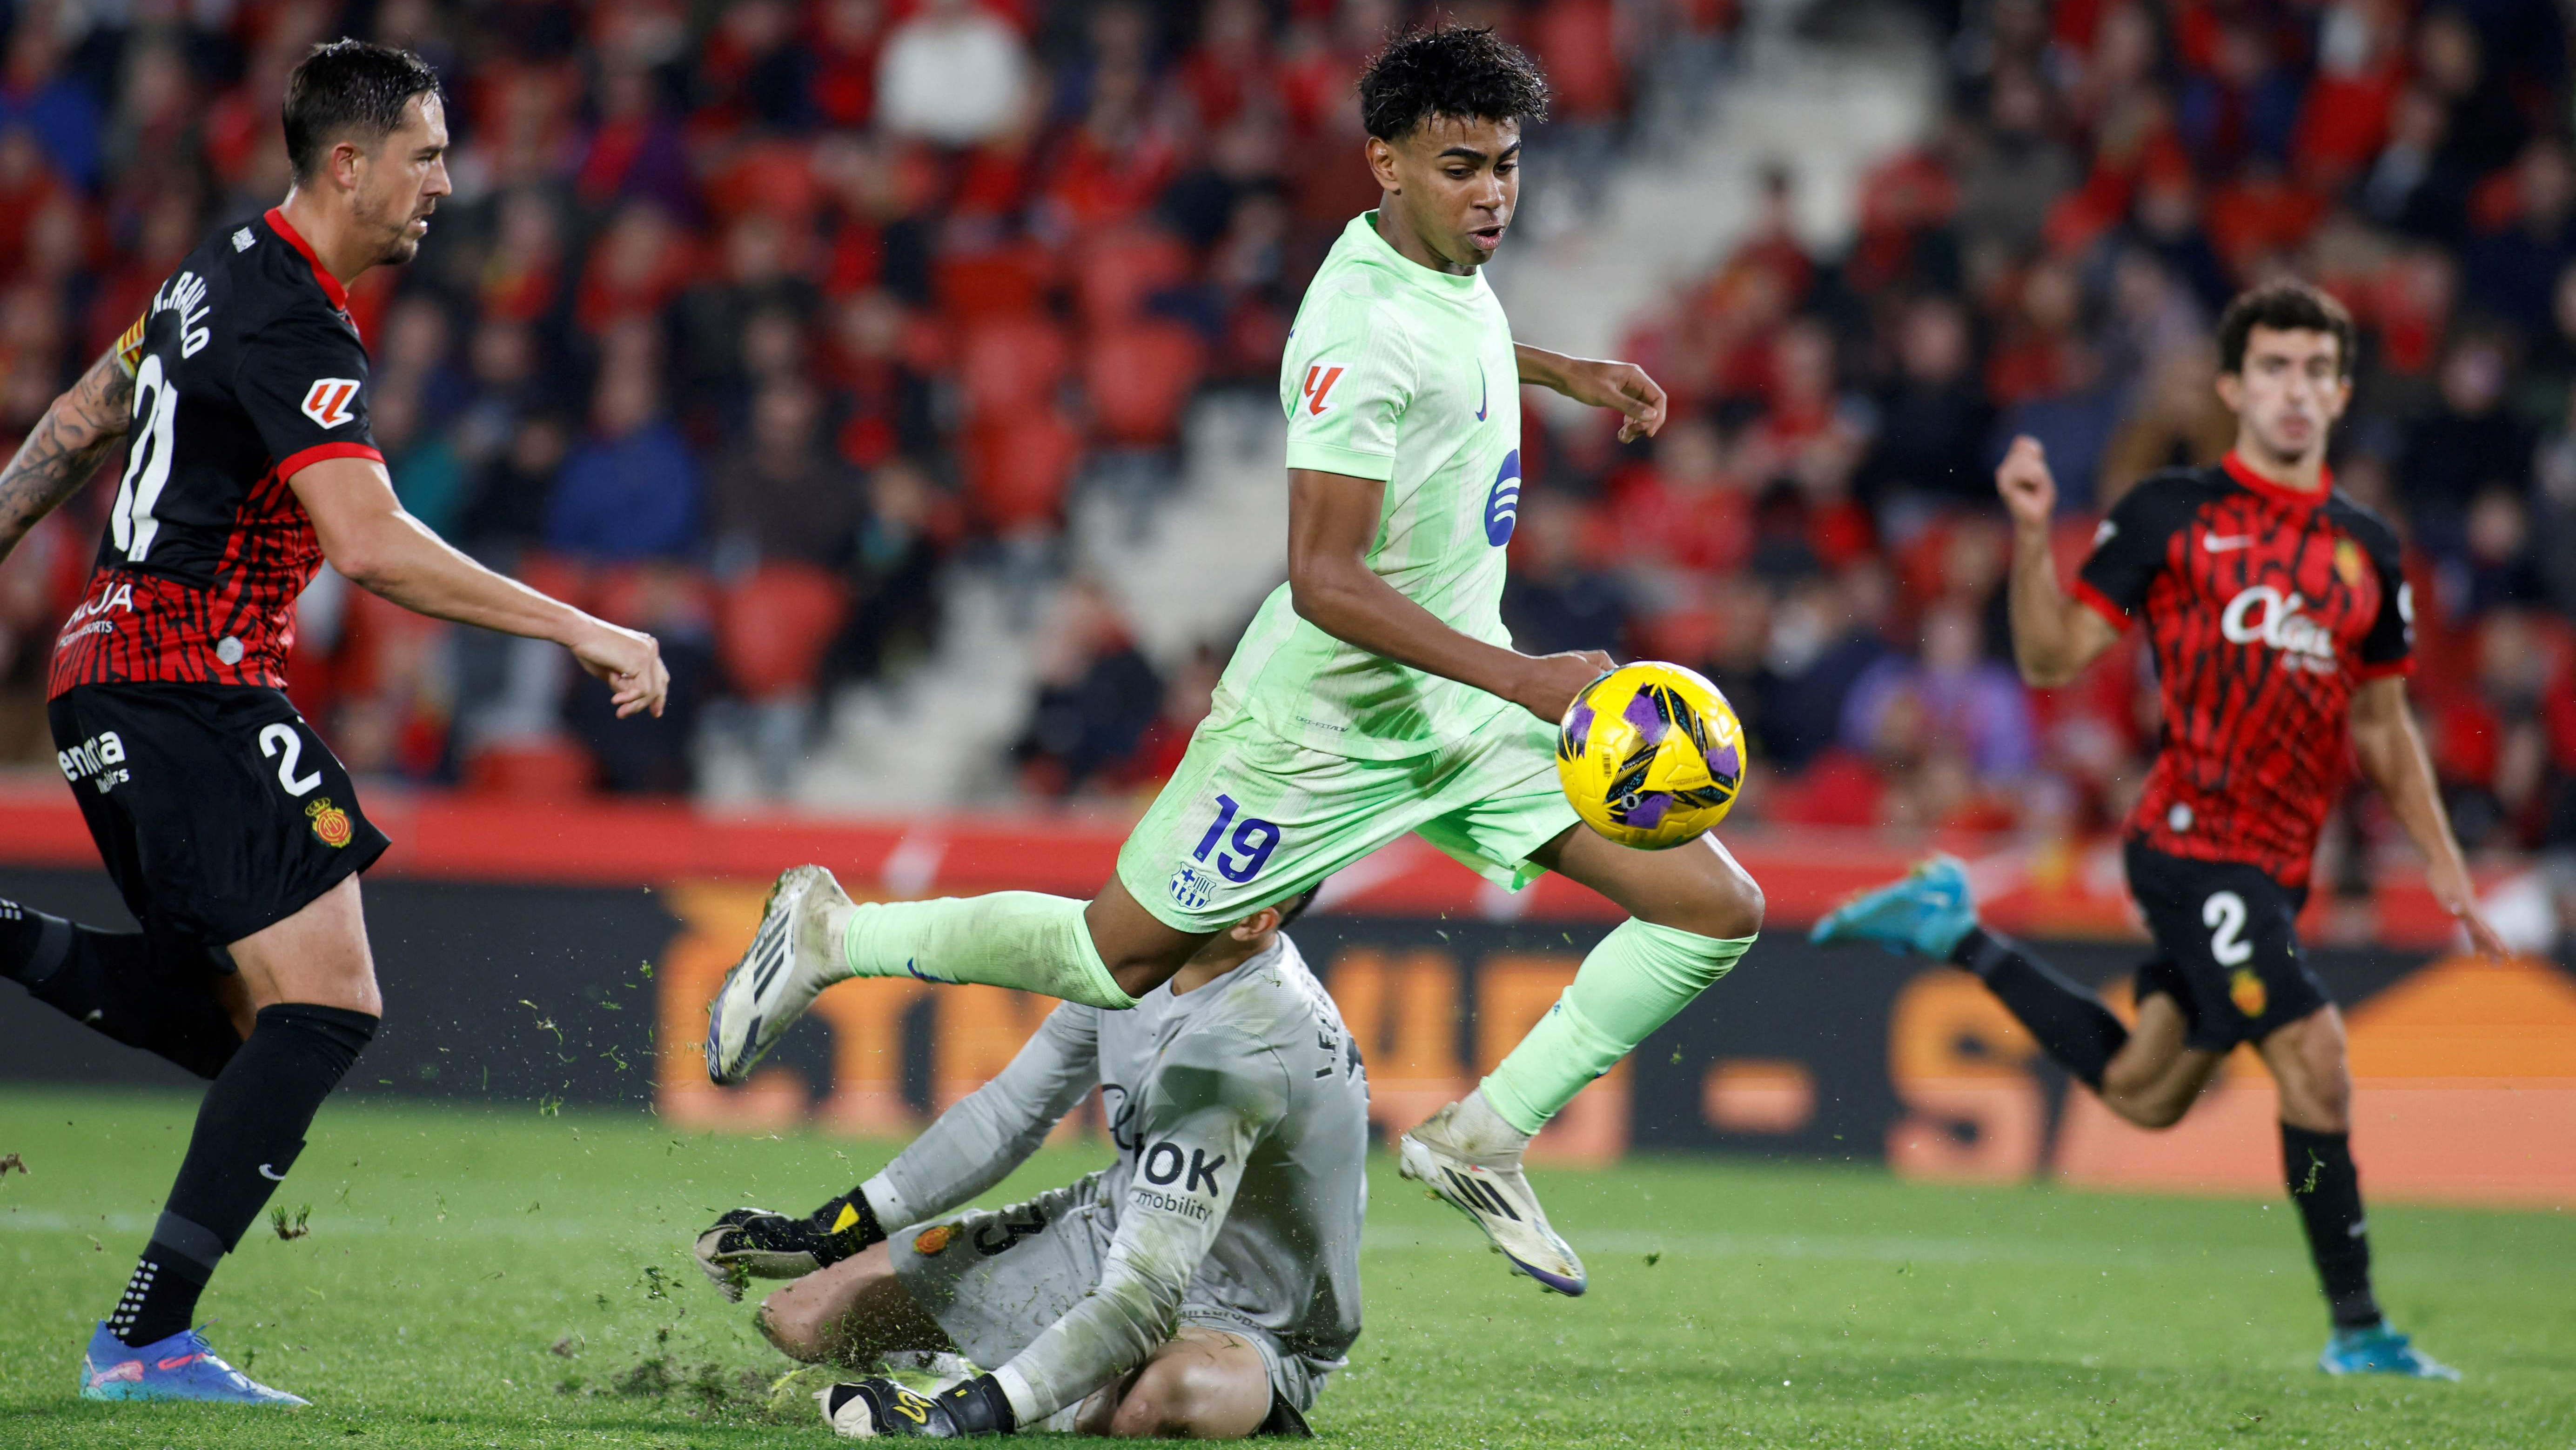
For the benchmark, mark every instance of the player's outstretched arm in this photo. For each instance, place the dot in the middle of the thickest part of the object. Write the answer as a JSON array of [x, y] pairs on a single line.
[[2392, 755], [2054, 634], [1601, 383], [64, 447], [369, 538], [1332, 520], [974, 1145]]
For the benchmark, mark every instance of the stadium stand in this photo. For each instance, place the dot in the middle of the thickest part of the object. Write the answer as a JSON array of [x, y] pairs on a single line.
[[764, 326]]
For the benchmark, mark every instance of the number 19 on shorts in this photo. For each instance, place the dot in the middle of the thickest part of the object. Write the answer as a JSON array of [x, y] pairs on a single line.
[[1238, 846]]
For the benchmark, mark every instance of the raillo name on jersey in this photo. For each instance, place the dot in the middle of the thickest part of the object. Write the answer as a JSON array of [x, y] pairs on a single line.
[[185, 294]]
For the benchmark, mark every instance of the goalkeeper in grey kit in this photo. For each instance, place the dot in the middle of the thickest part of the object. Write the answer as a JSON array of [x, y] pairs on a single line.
[[1203, 1285]]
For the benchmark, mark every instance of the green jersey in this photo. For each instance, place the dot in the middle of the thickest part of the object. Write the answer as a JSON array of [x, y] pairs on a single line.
[[1403, 374]]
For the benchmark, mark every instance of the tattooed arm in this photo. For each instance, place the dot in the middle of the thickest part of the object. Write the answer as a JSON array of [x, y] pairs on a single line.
[[64, 448]]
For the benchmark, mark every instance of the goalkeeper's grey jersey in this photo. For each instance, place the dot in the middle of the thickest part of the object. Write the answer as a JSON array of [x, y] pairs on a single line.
[[1240, 1115]]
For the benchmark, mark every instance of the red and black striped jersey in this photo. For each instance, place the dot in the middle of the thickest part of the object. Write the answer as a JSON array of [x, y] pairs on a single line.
[[2264, 608], [246, 369]]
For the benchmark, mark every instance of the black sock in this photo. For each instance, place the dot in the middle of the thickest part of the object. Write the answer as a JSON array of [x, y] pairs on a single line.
[[2071, 1023], [161, 1295], [249, 1130], [2327, 1191], [116, 983], [30, 947]]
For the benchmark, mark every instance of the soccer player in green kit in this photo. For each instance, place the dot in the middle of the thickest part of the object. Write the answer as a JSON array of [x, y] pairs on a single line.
[[1375, 693]]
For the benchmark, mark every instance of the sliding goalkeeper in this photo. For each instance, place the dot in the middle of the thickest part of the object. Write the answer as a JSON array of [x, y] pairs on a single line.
[[1203, 1285]]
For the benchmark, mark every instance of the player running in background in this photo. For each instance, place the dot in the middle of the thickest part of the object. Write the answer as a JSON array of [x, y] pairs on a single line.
[[2277, 613], [232, 833], [1375, 693], [1236, 1101]]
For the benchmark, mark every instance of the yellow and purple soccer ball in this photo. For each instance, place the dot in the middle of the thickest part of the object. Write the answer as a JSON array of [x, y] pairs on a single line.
[[1651, 755]]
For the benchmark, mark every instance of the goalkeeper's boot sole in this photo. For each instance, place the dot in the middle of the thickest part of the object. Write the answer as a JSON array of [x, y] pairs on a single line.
[[791, 960], [1926, 913], [2381, 1350], [181, 1367], [1494, 1194]]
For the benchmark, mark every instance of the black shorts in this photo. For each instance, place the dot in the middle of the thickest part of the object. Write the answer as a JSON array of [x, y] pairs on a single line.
[[2227, 946], [216, 808]]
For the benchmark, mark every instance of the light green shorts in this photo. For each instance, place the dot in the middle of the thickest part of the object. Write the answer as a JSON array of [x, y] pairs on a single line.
[[1250, 820]]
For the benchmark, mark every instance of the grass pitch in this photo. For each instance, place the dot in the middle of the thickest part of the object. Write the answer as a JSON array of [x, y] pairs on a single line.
[[478, 1277]]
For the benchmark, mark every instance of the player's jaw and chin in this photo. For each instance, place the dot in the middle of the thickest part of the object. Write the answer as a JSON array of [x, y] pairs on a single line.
[[1460, 219], [395, 199], [2287, 411]]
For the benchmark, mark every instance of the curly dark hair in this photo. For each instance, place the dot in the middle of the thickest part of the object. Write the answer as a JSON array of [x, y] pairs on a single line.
[[1465, 71], [2283, 307]]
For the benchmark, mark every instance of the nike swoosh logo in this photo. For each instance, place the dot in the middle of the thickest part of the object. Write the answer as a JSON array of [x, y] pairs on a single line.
[[2221, 543], [1484, 394], [271, 1177]]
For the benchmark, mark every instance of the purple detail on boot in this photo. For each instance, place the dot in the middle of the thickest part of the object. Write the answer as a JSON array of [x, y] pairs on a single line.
[[1578, 727], [1646, 717], [1571, 1288]]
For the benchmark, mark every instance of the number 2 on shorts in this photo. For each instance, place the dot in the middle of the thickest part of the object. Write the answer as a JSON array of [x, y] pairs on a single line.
[[1255, 839], [2224, 914], [282, 742]]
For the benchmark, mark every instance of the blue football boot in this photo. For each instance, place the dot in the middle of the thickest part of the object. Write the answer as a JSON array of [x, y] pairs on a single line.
[[1926, 913], [181, 1367], [2380, 1350]]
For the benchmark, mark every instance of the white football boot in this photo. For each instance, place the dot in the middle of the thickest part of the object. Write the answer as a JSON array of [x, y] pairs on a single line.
[[1488, 1187], [793, 957]]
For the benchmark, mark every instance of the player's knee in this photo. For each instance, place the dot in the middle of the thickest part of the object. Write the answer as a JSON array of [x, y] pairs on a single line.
[[1196, 1395], [1166, 1402], [2144, 1109], [1138, 973], [1738, 907], [792, 1326], [2159, 1115]]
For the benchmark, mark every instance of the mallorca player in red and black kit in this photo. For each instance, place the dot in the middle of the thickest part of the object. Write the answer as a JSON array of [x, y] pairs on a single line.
[[2282, 632], [232, 833]]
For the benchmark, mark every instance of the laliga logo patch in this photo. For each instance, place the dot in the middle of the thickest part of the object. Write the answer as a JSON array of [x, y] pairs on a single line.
[[1318, 387], [1503, 505], [931, 1241], [327, 401], [330, 823]]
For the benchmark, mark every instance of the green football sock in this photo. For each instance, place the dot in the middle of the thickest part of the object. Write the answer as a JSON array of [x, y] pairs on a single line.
[[1631, 984], [1021, 939]]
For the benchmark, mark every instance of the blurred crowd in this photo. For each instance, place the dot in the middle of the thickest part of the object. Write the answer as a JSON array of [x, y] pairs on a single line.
[[746, 320], [1817, 527]]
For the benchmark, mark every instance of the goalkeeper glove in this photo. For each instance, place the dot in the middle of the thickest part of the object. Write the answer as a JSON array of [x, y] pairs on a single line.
[[871, 1408], [754, 1243]]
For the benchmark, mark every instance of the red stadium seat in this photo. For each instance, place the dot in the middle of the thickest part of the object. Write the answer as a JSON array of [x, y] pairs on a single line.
[[658, 596], [1139, 378], [772, 628], [548, 769], [1017, 469], [569, 580], [1004, 282], [1012, 365], [1121, 270]]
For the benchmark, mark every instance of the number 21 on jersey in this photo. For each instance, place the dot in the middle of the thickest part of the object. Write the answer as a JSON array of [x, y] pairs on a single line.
[[147, 461]]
